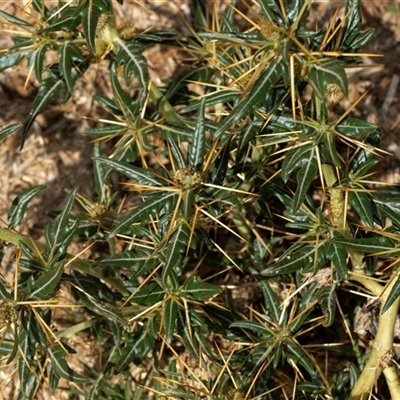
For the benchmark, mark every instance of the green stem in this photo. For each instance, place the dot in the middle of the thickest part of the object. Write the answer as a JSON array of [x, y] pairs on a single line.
[[163, 105], [381, 356], [78, 264], [338, 210]]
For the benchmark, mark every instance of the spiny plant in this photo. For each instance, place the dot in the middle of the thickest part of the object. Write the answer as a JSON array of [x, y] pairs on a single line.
[[226, 269]]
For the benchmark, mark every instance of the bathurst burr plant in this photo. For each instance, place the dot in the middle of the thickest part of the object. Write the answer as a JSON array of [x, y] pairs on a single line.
[[245, 223]]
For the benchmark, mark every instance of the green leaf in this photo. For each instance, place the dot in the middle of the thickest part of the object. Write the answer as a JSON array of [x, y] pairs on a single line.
[[170, 315], [361, 39], [353, 21], [291, 262], [57, 356], [389, 204], [130, 55], [146, 209], [299, 357], [376, 245], [271, 300], [218, 97], [26, 364], [128, 107], [338, 255], [295, 159], [330, 72], [176, 246], [304, 178], [271, 11], [15, 20], [39, 61], [176, 151], [353, 127], [249, 133], [19, 204], [255, 98], [331, 145], [221, 164], [393, 296], [126, 259], [149, 295], [45, 286], [90, 17], [197, 147], [99, 172], [137, 346], [361, 203], [11, 59], [327, 300], [193, 289], [255, 327], [364, 168], [101, 310], [8, 130], [69, 54], [60, 233], [364, 154], [49, 88], [139, 175], [189, 340]]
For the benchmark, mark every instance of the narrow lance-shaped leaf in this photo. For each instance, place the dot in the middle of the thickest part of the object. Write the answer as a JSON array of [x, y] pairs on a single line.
[[189, 340], [49, 88], [219, 174], [12, 58], [90, 18], [137, 174], [101, 310], [218, 97], [130, 55], [59, 234], [69, 54], [15, 20], [331, 145], [45, 286], [329, 76], [305, 257], [385, 246], [271, 299], [175, 150], [361, 203], [327, 300], [19, 204], [144, 210], [25, 362], [295, 159], [337, 254], [170, 315], [352, 127], [389, 204], [196, 290], [304, 177], [300, 357], [255, 98], [138, 346], [62, 369], [393, 296], [197, 147], [176, 246], [8, 130], [99, 172]]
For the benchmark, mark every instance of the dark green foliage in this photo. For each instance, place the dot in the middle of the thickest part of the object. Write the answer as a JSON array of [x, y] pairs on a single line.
[[241, 241]]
